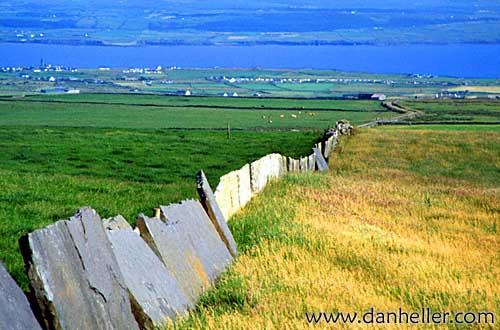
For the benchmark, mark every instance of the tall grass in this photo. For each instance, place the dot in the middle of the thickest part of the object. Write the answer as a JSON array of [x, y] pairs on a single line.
[[405, 219]]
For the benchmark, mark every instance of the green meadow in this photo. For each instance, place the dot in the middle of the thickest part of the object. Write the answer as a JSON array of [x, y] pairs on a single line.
[[147, 111]]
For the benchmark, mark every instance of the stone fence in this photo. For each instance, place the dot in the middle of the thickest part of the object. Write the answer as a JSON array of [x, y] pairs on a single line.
[[92, 273]]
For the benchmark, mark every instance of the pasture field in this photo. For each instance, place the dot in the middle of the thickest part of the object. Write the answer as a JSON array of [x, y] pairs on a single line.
[[130, 111], [479, 110], [406, 218]]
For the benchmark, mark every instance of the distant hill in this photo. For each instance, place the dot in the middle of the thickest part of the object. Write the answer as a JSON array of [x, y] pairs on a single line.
[[139, 22]]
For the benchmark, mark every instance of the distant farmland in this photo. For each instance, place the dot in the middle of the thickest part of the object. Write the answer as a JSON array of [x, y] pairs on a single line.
[[149, 111], [479, 110]]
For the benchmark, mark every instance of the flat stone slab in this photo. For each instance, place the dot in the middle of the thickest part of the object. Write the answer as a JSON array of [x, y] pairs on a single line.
[[303, 165], [155, 294], [311, 162], [197, 228], [329, 146], [265, 169], [244, 185], [293, 164], [15, 311], [234, 191], [74, 275], [188, 245], [214, 212], [226, 194], [321, 163]]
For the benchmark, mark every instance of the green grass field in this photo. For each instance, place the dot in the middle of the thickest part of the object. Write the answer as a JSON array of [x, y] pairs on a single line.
[[129, 111], [406, 218], [481, 110]]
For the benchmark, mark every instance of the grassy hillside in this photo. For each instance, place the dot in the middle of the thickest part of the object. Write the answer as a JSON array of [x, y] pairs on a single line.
[[405, 219]]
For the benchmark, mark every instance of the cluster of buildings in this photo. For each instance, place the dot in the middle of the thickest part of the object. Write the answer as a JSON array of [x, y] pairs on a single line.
[[233, 80], [365, 96], [25, 36], [158, 70]]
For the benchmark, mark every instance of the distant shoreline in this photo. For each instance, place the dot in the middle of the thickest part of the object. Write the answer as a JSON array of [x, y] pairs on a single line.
[[317, 43]]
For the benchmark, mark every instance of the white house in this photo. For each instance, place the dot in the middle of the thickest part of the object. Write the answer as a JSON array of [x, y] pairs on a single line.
[[380, 97]]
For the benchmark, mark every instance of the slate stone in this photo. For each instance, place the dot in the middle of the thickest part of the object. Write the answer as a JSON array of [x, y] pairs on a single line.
[[188, 245], [293, 165], [226, 194], [329, 146], [244, 185], [303, 164], [321, 163], [311, 162], [176, 255], [15, 311], [265, 169], [214, 212], [198, 229], [75, 278], [154, 292]]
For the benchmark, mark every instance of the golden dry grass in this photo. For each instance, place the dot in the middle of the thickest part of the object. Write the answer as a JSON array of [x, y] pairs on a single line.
[[383, 229]]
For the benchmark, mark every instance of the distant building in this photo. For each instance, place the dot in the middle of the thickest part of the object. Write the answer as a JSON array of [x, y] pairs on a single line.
[[57, 90], [365, 96], [60, 90], [447, 94], [380, 97]]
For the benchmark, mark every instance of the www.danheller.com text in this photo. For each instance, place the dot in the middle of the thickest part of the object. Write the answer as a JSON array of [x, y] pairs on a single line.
[[424, 316]]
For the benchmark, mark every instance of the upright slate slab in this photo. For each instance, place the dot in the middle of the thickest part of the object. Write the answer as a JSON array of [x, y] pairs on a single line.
[[244, 185], [329, 146], [226, 194], [311, 162], [212, 208], [320, 160], [15, 311], [265, 169], [234, 191], [292, 165], [188, 245], [75, 277], [176, 254], [196, 228], [303, 165], [154, 292]]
